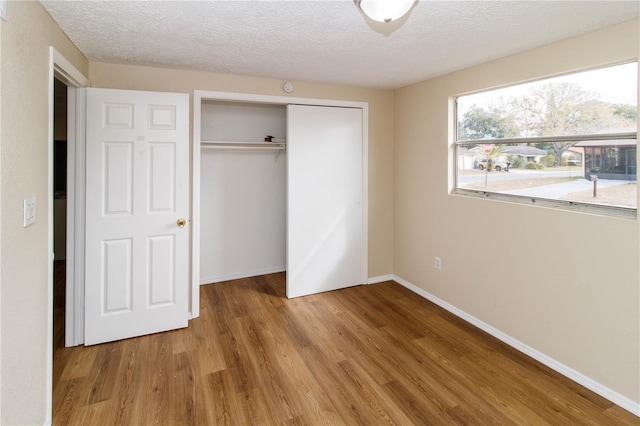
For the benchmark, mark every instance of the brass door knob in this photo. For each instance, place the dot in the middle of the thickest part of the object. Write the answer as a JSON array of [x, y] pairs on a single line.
[[181, 222]]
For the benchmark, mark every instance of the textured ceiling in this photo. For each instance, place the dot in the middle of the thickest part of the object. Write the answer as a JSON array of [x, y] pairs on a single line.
[[324, 40]]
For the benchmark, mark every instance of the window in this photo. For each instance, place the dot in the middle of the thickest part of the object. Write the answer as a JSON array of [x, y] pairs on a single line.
[[568, 142]]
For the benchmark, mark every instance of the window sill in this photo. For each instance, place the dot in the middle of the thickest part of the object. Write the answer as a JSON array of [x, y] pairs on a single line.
[[601, 210]]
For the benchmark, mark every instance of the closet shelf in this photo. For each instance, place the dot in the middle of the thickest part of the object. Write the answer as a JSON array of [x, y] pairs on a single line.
[[252, 146], [247, 144]]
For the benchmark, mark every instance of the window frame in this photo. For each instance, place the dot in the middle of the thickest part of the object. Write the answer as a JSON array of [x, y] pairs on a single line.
[[600, 209]]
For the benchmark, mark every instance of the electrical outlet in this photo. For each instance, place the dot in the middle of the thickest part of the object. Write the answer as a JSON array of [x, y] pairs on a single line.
[[438, 263]]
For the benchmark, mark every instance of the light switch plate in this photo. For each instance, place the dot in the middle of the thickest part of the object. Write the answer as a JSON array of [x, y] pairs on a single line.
[[29, 211]]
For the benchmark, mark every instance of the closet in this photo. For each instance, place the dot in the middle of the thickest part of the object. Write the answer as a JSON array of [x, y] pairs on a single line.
[[280, 183]]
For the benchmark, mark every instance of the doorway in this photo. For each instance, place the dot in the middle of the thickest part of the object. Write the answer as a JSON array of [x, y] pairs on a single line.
[[59, 209]]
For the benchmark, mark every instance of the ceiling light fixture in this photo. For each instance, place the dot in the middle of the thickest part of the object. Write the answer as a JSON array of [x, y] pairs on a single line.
[[385, 10]]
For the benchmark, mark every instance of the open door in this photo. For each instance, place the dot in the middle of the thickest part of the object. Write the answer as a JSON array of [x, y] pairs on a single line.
[[325, 199], [137, 195]]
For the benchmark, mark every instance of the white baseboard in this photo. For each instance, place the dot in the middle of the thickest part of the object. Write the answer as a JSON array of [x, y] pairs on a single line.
[[213, 280], [380, 279], [576, 376]]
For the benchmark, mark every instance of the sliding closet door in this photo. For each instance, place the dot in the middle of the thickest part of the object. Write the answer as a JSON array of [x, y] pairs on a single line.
[[325, 212]]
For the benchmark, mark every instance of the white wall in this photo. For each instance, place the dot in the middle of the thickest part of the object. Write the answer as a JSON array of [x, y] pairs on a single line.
[[243, 218], [566, 284], [242, 122]]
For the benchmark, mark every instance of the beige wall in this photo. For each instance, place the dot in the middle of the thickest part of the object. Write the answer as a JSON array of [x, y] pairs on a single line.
[[563, 283], [380, 130], [25, 40]]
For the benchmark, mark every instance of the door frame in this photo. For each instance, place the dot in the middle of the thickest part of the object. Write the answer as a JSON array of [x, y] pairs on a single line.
[[63, 70], [74, 303], [198, 97]]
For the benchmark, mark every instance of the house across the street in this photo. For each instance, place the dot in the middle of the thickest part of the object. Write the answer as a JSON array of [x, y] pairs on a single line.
[[610, 159]]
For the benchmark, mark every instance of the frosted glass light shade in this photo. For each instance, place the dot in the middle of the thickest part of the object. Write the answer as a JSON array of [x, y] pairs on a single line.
[[385, 10]]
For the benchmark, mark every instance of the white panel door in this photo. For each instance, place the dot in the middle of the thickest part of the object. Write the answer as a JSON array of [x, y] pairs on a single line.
[[325, 191], [137, 192]]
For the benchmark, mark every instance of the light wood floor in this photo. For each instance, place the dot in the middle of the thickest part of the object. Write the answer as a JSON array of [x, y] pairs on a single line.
[[369, 355]]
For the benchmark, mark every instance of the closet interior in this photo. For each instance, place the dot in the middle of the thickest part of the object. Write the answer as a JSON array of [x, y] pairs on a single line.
[[243, 190]]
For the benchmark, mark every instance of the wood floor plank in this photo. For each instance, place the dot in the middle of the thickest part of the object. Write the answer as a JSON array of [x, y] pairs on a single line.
[[418, 411], [379, 401], [94, 414], [263, 366], [254, 404], [183, 389], [209, 351], [157, 374], [367, 355], [79, 363], [65, 400], [128, 383], [427, 379], [345, 398], [347, 336], [105, 372], [311, 401]]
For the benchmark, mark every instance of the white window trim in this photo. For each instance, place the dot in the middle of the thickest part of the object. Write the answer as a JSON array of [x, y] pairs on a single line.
[[599, 209]]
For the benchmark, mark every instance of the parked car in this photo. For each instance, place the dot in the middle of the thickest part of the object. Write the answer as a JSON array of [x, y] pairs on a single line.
[[496, 165]]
